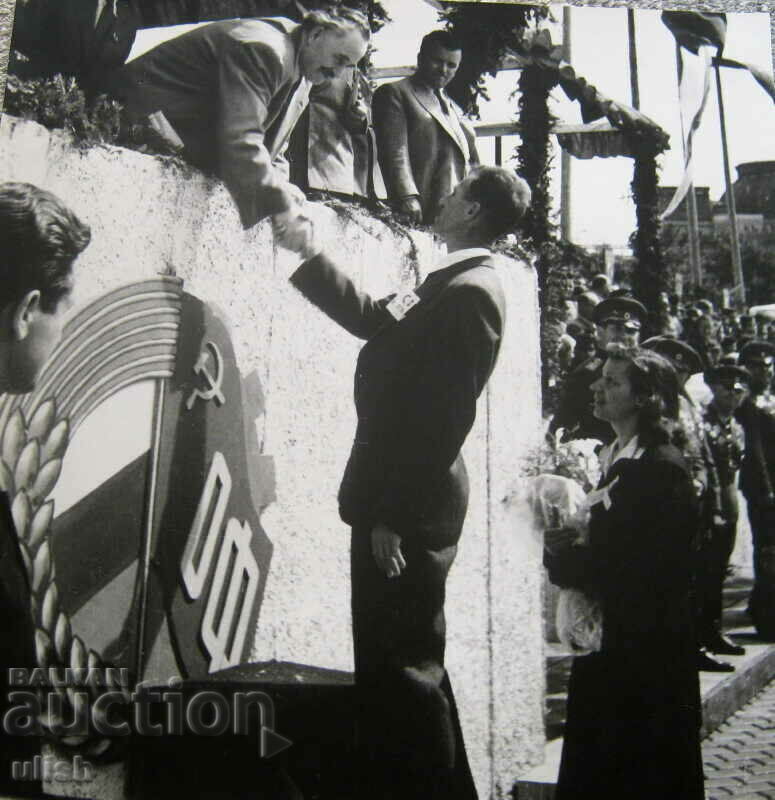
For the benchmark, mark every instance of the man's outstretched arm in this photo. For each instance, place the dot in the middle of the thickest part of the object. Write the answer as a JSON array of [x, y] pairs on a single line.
[[249, 75], [328, 288]]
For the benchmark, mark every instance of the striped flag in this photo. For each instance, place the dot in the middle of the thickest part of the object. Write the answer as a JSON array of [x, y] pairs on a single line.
[[700, 33]]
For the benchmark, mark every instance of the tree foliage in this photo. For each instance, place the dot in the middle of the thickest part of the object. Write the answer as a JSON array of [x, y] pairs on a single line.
[[651, 275], [58, 102], [757, 253], [487, 32]]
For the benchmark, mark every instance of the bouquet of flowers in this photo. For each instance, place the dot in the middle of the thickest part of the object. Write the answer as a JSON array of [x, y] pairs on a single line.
[[558, 501]]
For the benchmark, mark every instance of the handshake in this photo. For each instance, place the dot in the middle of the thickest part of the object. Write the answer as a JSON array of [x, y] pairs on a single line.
[[294, 229]]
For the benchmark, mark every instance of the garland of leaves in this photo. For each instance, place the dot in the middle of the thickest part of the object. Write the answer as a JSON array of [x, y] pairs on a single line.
[[652, 274], [31, 456], [487, 32], [554, 277]]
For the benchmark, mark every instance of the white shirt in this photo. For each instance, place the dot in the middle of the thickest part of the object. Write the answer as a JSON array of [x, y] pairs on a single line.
[[611, 453], [461, 255]]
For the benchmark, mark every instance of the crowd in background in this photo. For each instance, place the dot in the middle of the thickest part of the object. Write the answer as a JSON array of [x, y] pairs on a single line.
[[716, 334], [723, 362]]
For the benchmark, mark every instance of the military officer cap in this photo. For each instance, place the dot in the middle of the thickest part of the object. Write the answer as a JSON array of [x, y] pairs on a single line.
[[756, 352], [626, 310], [681, 355], [729, 375]]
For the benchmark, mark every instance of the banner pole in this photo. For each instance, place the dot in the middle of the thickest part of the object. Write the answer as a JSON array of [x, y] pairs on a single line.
[[144, 562], [734, 238], [691, 200]]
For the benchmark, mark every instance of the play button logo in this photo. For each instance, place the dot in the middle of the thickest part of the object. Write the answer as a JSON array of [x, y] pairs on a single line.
[[272, 742]]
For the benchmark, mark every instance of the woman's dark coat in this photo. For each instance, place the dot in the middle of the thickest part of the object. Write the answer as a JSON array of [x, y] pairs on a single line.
[[634, 707]]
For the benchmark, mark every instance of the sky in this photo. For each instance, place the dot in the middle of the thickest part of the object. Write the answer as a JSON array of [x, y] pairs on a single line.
[[601, 209]]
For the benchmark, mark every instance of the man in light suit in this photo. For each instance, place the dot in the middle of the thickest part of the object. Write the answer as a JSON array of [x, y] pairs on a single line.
[[424, 144], [231, 92], [404, 493]]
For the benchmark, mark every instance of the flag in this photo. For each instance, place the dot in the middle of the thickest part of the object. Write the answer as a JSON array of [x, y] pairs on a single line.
[[693, 29], [700, 33], [760, 75]]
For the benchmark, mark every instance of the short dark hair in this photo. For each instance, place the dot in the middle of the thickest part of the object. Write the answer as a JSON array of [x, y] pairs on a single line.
[[503, 196], [442, 38], [40, 238]]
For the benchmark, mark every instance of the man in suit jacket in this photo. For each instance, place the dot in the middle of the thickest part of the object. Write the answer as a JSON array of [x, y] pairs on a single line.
[[230, 93], [404, 492], [424, 144]]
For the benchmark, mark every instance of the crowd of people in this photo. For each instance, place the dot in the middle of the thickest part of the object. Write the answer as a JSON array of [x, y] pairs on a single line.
[[723, 360], [686, 419]]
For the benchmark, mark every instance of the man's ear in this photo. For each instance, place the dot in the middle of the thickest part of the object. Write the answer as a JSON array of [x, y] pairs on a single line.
[[23, 313]]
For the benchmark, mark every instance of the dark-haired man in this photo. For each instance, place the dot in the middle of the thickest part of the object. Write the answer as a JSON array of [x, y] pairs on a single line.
[[404, 493], [39, 241], [230, 92], [424, 144]]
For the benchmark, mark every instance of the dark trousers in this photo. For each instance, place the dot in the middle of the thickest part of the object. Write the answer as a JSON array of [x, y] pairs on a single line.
[[410, 740], [714, 558], [762, 602]]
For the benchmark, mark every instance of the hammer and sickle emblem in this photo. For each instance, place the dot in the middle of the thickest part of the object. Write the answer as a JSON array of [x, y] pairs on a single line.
[[213, 390]]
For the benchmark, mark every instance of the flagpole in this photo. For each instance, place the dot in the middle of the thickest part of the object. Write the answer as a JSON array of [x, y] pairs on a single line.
[[565, 159], [691, 200], [146, 552], [734, 239], [633, 59]]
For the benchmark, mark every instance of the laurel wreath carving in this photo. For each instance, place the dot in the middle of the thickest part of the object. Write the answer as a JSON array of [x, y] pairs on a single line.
[[31, 455]]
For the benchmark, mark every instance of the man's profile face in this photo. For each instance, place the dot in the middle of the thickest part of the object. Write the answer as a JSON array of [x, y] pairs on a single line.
[[38, 332], [327, 53], [436, 66], [452, 215]]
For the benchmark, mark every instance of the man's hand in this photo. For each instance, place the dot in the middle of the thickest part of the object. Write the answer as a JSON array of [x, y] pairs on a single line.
[[355, 118], [295, 231], [410, 207], [386, 549]]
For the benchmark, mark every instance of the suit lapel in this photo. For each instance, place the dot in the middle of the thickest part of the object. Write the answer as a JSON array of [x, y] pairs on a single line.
[[282, 127], [436, 281], [426, 99], [427, 291]]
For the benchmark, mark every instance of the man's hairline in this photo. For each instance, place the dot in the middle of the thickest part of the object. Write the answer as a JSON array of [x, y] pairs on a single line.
[[441, 47]]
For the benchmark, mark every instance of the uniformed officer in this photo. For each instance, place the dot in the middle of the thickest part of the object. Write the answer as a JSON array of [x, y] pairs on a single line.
[[725, 437], [757, 416], [686, 361], [617, 320]]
